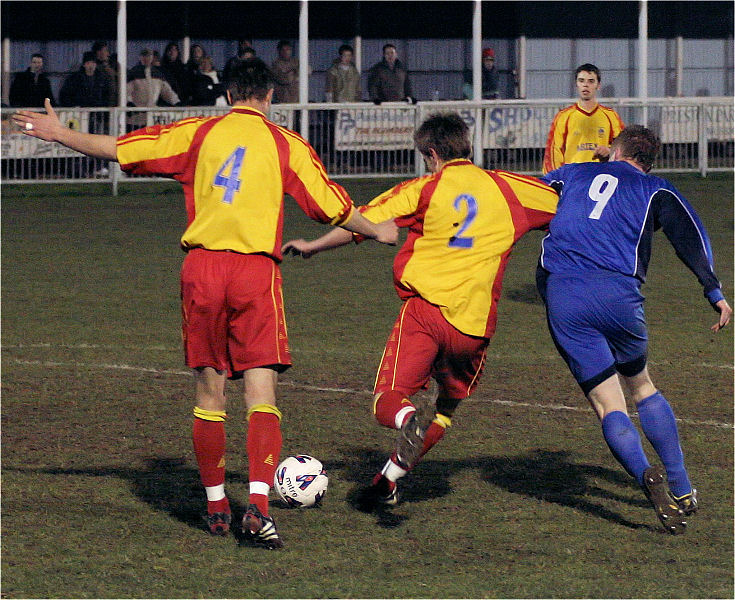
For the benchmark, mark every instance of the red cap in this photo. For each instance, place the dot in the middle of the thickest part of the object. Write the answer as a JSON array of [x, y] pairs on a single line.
[[488, 52]]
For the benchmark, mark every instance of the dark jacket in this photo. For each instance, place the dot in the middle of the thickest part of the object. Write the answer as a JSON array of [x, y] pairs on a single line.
[[179, 77], [28, 90], [204, 91], [81, 90], [386, 84]]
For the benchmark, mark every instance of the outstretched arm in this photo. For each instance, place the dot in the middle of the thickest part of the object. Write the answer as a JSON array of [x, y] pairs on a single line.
[[334, 239], [388, 234], [47, 127]]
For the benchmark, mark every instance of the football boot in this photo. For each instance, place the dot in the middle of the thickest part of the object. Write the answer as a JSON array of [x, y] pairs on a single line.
[[260, 530], [667, 509]]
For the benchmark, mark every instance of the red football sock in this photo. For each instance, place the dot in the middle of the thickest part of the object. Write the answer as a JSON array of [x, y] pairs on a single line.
[[391, 406], [264, 449], [209, 448], [434, 433]]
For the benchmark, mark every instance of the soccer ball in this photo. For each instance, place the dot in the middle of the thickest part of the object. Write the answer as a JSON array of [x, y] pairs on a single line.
[[301, 481]]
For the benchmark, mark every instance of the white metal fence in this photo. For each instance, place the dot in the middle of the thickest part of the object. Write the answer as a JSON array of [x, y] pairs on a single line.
[[365, 140]]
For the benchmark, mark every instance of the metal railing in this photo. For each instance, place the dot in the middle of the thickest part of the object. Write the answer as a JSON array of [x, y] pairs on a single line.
[[365, 140]]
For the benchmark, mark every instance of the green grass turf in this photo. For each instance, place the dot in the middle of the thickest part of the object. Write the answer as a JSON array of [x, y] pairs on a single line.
[[100, 494]]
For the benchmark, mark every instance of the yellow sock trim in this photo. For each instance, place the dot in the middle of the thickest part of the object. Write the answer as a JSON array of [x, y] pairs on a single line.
[[265, 408], [443, 420], [210, 415]]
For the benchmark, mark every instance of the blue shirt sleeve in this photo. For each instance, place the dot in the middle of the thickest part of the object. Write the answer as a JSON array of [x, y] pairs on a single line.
[[681, 225]]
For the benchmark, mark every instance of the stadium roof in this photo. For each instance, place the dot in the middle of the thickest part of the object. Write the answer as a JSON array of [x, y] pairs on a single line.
[[371, 19]]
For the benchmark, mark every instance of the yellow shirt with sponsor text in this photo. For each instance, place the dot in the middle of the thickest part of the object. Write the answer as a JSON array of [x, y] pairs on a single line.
[[575, 134]]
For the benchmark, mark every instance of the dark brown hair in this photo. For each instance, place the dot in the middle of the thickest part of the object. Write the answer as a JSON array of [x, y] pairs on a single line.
[[639, 144], [446, 133], [251, 78]]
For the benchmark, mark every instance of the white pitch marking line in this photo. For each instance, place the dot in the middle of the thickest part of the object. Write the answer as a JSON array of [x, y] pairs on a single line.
[[161, 348], [313, 388]]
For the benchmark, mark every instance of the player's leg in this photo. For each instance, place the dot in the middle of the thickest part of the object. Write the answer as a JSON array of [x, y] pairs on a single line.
[[264, 449], [258, 348], [405, 369], [457, 371], [620, 434], [625, 329], [576, 314], [659, 426], [204, 335], [264, 433], [208, 437]]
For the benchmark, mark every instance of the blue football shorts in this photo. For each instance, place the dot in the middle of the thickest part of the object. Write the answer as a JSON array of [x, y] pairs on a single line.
[[597, 323]]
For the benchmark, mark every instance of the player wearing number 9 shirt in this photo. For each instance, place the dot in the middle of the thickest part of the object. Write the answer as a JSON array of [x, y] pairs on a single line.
[[592, 265], [234, 170], [462, 223]]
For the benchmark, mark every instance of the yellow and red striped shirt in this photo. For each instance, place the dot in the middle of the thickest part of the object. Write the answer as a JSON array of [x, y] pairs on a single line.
[[576, 133], [462, 222], [235, 170]]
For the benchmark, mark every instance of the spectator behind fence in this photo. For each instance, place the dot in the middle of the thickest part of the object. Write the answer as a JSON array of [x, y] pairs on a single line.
[[207, 88], [86, 87], [286, 72], [176, 73], [147, 84], [196, 53], [388, 80], [583, 131], [490, 76], [30, 87], [244, 51], [343, 78], [109, 68]]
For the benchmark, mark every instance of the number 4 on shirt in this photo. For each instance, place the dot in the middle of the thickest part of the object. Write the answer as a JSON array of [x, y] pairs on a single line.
[[230, 182]]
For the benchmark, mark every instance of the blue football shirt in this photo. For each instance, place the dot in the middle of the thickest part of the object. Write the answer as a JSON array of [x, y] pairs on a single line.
[[606, 218]]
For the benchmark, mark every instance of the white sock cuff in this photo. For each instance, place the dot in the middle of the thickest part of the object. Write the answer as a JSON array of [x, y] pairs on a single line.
[[259, 487], [215, 492], [392, 471], [401, 414]]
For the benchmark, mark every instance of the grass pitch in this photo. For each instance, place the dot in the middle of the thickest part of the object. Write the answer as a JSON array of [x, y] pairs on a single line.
[[101, 497]]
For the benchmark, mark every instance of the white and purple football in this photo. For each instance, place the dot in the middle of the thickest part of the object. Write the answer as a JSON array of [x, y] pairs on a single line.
[[301, 481]]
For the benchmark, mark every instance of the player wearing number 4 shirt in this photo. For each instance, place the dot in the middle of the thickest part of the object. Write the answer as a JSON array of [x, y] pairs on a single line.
[[462, 223], [592, 265], [234, 170]]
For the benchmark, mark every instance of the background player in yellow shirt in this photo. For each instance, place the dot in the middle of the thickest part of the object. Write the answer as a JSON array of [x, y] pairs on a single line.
[[462, 223], [234, 170], [583, 131]]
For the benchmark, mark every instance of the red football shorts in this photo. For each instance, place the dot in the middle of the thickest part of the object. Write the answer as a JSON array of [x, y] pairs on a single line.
[[232, 312], [423, 345]]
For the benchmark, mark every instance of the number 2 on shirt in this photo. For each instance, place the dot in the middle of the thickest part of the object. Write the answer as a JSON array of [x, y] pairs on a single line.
[[458, 240], [230, 182], [602, 188]]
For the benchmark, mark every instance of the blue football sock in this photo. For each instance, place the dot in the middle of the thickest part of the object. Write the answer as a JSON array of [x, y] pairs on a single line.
[[624, 442], [659, 425]]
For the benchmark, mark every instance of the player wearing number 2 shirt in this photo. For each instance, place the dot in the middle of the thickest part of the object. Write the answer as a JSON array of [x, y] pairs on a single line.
[[235, 170], [462, 223], [592, 265]]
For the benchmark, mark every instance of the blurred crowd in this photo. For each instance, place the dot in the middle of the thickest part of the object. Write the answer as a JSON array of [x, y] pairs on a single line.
[[166, 80]]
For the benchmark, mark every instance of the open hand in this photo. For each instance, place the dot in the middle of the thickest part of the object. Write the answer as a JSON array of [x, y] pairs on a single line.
[[39, 125]]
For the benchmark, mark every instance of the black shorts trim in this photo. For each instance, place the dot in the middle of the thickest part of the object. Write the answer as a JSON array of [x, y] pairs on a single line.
[[632, 367], [593, 382]]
